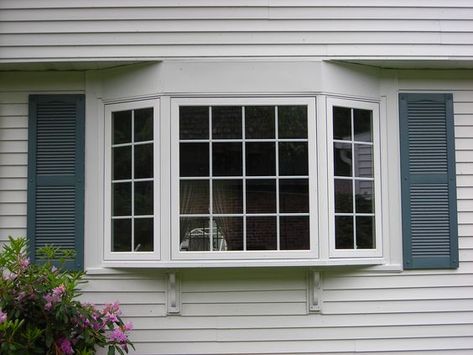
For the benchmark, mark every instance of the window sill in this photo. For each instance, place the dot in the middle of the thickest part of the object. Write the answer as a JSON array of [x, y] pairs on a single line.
[[116, 266]]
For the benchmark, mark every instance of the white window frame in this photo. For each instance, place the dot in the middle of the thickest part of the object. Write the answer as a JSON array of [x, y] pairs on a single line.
[[374, 107], [154, 255], [312, 139]]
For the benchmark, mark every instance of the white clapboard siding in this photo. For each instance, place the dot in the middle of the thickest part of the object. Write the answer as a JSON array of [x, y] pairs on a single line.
[[85, 29]]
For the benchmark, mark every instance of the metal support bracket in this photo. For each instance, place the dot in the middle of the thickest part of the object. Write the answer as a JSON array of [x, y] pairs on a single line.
[[173, 294], [314, 288]]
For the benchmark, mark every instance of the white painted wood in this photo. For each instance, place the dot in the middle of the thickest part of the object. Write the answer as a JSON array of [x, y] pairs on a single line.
[[57, 31]]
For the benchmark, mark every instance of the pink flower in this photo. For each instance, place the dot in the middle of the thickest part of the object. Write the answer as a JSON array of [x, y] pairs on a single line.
[[118, 336], [128, 326], [65, 346], [53, 297], [3, 316], [23, 263]]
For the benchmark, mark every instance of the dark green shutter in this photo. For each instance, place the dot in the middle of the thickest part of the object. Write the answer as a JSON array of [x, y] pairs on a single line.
[[430, 236], [56, 174]]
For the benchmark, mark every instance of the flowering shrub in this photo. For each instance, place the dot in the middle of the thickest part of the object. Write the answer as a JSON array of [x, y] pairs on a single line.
[[39, 313]]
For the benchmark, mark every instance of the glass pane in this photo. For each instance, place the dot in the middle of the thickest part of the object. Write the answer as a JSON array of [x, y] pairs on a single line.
[[343, 196], [121, 127], [294, 196], [194, 196], [121, 158], [293, 159], [121, 199], [144, 124], [227, 233], [261, 196], [260, 159], [143, 161], [226, 122], [344, 232], [121, 234], [194, 122], [227, 159], [261, 233], [294, 233], [144, 198], [341, 123], [364, 194], [363, 160], [342, 159], [194, 159], [365, 233], [194, 234], [292, 121], [227, 196], [259, 122], [143, 234], [363, 125]]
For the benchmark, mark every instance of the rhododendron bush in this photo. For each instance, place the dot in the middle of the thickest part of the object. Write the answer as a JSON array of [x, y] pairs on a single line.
[[40, 313]]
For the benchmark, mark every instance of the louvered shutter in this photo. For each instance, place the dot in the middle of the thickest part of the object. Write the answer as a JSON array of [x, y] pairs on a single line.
[[430, 237], [56, 174]]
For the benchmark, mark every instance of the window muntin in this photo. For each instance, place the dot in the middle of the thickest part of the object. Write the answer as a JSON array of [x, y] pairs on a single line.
[[132, 189], [354, 196], [244, 177]]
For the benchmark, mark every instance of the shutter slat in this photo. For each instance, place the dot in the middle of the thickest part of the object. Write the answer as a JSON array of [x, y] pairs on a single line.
[[428, 181], [56, 174]]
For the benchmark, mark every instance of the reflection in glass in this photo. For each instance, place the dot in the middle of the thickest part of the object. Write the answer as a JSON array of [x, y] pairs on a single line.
[[292, 121], [227, 196], [144, 161], [144, 124], [261, 233], [260, 159], [259, 122], [226, 159], [194, 234], [364, 194], [121, 234], [194, 122], [227, 233], [293, 158], [226, 122], [344, 232], [342, 159], [121, 199], [343, 196], [261, 196], [365, 232], [194, 159], [121, 127], [121, 159], [143, 234], [294, 195], [362, 120], [294, 233], [341, 123], [143, 198], [194, 196], [363, 156]]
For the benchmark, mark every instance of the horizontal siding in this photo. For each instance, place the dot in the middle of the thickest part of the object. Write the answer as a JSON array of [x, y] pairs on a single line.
[[70, 31]]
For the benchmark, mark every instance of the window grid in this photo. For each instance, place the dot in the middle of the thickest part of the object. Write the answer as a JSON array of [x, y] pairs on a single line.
[[132, 180], [244, 177], [353, 178]]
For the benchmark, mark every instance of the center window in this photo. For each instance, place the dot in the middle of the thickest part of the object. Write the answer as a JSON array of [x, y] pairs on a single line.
[[244, 177]]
